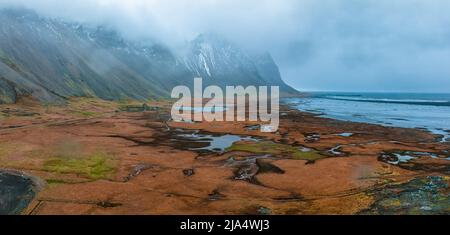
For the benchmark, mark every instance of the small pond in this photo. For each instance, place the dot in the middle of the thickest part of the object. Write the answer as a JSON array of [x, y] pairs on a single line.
[[16, 192]]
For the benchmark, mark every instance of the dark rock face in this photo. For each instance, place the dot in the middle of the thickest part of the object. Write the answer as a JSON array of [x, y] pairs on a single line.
[[52, 59], [223, 63]]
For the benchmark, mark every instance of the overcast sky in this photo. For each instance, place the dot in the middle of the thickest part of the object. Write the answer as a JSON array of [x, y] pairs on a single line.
[[347, 45]]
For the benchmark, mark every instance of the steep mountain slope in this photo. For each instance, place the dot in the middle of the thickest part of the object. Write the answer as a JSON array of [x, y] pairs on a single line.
[[52, 59], [222, 63]]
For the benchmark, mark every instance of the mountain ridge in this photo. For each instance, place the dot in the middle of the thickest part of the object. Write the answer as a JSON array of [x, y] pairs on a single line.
[[52, 59]]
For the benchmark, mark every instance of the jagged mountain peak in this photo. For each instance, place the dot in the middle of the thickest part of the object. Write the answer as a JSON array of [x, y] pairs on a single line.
[[211, 56], [214, 41], [222, 62], [52, 59]]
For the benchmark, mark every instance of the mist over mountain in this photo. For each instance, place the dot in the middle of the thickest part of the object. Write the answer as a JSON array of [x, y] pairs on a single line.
[[52, 59], [219, 62]]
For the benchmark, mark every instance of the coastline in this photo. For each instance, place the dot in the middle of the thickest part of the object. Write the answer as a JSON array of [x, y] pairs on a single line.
[[402, 110]]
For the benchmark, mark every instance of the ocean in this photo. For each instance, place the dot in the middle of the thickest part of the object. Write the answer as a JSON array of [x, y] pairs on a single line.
[[409, 110]]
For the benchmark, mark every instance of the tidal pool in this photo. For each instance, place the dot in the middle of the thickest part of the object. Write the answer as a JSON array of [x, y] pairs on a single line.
[[345, 134], [197, 141], [407, 156], [202, 109], [16, 192], [336, 151]]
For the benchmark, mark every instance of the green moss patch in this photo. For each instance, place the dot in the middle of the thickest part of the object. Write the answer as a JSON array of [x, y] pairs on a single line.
[[52, 182], [86, 114], [95, 166], [268, 147]]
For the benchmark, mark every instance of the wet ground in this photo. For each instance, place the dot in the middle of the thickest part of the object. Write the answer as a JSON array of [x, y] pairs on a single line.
[[111, 161], [421, 196], [418, 161], [16, 192], [206, 142]]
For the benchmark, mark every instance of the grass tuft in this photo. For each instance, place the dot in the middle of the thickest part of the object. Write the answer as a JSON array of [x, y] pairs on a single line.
[[95, 166]]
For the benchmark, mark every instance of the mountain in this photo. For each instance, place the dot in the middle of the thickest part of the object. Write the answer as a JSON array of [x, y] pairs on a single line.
[[52, 59], [222, 63]]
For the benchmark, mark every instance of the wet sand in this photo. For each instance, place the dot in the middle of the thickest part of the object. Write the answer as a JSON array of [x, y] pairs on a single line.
[[99, 159]]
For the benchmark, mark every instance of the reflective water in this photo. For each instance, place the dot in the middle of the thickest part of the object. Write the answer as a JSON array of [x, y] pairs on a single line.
[[428, 111], [16, 192]]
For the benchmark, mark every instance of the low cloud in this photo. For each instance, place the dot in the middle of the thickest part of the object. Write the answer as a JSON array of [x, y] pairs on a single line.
[[371, 45]]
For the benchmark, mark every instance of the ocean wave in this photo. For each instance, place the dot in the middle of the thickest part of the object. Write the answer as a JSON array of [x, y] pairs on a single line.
[[393, 101]]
